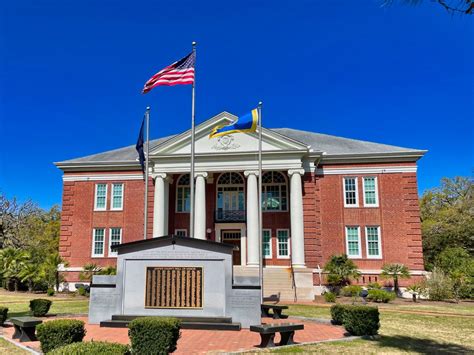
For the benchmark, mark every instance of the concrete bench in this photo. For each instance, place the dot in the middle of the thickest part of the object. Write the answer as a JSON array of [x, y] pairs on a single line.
[[276, 311], [267, 333], [25, 328]]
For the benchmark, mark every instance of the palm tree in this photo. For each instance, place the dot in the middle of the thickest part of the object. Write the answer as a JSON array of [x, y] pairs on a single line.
[[341, 270], [395, 272], [50, 270], [12, 261], [29, 274], [89, 270]]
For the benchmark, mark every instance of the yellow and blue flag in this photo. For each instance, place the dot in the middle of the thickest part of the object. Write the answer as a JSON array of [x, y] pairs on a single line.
[[244, 124]]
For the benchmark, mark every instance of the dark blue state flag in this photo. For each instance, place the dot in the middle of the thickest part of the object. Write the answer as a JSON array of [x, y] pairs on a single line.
[[139, 147]]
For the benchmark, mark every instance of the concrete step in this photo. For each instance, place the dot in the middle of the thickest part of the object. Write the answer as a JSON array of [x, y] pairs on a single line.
[[126, 317]]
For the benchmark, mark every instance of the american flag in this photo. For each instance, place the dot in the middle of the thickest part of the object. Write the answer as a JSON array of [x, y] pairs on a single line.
[[178, 73]]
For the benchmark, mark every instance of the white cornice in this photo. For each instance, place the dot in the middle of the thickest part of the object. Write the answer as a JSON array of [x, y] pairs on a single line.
[[102, 177], [367, 170]]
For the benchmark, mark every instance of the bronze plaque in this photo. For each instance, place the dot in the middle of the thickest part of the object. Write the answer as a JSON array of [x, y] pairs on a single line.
[[173, 287]]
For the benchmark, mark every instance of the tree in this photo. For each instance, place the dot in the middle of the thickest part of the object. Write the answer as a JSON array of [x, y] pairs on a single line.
[[447, 218], [89, 270], [49, 270], [465, 7], [29, 274], [12, 262], [458, 265], [340, 270], [395, 272]]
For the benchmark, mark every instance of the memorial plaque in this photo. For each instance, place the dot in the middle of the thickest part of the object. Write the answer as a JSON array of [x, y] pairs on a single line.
[[173, 287]]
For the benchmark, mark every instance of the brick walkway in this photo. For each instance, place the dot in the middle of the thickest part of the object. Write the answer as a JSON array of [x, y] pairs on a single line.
[[204, 341]]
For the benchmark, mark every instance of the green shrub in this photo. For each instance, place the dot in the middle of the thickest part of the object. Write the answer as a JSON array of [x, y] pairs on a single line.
[[152, 335], [94, 347], [351, 291], [380, 296], [60, 332], [40, 307], [3, 314], [330, 297], [337, 313], [439, 285], [361, 320], [82, 291], [373, 285], [50, 292]]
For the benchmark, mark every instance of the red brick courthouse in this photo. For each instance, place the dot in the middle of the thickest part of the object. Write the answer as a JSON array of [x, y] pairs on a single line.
[[322, 195]]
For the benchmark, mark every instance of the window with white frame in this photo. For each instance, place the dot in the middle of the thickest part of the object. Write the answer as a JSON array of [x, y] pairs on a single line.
[[117, 196], [100, 203], [283, 243], [181, 232], [274, 191], [350, 192], [115, 238], [353, 242], [98, 242], [183, 195], [374, 247], [370, 191], [267, 243]]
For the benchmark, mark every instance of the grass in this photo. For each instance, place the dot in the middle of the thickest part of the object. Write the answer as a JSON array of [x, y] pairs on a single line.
[[402, 332], [8, 348], [18, 303]]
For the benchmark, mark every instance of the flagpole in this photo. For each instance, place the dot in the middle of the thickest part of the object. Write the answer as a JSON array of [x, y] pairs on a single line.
[[260, 219], [145, 209], [191, 177]]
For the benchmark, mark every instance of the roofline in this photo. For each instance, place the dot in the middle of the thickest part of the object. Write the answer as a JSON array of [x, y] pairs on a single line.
[[414, 156]]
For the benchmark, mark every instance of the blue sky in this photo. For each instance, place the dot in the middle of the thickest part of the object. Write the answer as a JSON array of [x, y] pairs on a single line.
[[71, 75]]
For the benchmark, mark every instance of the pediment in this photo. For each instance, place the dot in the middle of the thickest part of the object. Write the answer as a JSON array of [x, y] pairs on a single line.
[[233, 143]]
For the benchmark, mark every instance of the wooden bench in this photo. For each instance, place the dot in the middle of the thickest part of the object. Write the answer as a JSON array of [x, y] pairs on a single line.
[[25, 328], [276, 309], [267, 333]]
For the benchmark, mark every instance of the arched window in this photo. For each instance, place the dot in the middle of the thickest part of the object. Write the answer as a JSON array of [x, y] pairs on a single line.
[[274, 192], [183, 196], [230, 197]]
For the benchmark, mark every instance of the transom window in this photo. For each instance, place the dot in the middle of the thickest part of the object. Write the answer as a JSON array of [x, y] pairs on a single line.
[[100, 197], [283, 243], [274, 192], [181, 232], [98, 242], [267, 243], [353, 242], [372, 235], [183, 194], [350, 192], [115, 238], [117, 196], [370, 191], [230, 179]]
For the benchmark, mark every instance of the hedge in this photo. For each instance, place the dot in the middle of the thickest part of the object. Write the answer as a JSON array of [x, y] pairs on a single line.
[[337, 313], [94, 347], [351, 291], [3, 314], [60, 332], [380, 296], [361, 320], [153, 335], [330, 297], [40, 307]]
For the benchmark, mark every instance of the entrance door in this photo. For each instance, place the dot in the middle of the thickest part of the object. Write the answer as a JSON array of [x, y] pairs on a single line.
[[233, 237]]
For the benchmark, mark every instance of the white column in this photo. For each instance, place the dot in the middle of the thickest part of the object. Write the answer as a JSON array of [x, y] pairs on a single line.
[[252, 218], [200, 206], [296, 212], [160, 209]]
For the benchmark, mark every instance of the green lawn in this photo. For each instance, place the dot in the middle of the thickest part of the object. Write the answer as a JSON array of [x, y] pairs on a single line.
[[8, 348], [402, 332]]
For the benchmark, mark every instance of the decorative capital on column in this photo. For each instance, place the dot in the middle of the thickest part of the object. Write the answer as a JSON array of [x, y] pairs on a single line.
[[250, 172], [201, 173], [160, 175], [295, 171]]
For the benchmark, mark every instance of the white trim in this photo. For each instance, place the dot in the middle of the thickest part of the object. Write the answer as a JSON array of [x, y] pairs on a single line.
[[271, 251], [367, 170], [358, 256], [181, 230], [379, 243], [112, 197], [376, 184], [113, 254], [93, 255], [95, 198], [277, 244], [102, 177], [61, 268], [356, 191]]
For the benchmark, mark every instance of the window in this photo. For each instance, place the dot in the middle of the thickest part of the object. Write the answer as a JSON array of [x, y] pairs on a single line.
[[350, 192], [274, 192], [181, 232], [230, 198], [183, 195], [115, 238], [267, 243], [117, 196], [374, 247], [100, 197], [283, 244], [353, 242], [370, 192], [98, 242]]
